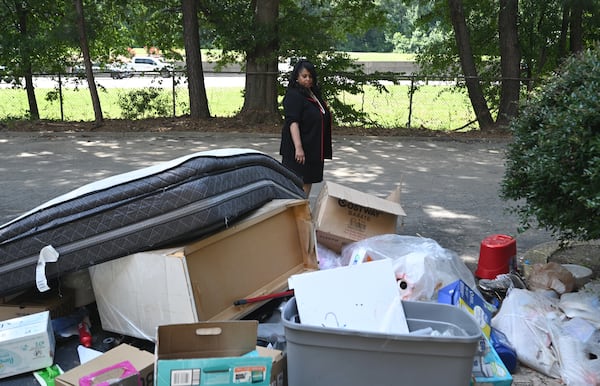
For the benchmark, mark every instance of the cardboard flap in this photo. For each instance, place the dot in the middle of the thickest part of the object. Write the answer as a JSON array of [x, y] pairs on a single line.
[[394, 196], [206, 339], [277, 355], [366, 200]]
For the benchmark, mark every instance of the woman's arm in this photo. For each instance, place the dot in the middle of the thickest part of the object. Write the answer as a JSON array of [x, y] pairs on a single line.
[[295, 132]]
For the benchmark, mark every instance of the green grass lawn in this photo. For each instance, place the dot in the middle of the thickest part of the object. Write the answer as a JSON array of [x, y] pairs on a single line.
[[433, 107], [77, 104]]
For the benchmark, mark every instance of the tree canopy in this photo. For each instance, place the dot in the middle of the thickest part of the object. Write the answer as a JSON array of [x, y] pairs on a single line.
[[508, 41]]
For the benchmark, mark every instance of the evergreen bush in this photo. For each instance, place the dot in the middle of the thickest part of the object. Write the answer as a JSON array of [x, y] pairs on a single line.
[[553, 164]]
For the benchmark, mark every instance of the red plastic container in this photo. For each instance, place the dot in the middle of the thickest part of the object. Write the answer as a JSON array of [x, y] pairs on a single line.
[[496, 255]]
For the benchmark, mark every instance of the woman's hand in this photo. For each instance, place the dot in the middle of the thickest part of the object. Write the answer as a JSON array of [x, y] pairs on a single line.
[[300, 158]]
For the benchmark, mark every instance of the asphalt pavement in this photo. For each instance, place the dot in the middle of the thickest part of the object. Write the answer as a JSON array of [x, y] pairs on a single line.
[[449, 188]]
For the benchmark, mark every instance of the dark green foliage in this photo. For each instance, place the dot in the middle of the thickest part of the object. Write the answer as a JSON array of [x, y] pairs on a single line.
[[553, 165]]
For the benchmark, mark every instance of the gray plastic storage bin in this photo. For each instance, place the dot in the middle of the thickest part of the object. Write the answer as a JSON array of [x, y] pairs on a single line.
[[332, 356]]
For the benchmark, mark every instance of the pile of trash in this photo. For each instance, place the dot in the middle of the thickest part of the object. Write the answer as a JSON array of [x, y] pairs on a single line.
[[211, 257], [550, 317]]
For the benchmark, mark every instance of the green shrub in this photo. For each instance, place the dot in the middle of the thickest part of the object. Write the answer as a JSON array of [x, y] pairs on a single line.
[[553, 164], [149, 102]]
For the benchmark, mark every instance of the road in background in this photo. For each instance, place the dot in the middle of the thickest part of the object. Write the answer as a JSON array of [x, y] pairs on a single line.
[[138, 81], [231, 76]]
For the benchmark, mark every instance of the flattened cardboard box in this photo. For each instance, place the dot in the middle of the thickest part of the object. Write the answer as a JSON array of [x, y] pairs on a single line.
[[26, 344], [59, 303], [210, 353], [201, 280], [142, 360], [344, 215]]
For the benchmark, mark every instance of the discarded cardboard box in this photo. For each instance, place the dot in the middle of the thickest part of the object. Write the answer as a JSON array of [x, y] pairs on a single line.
[[59, 303], [460, 294], [488, 369], [26, 344], [210, 353], [279, 366], [344, 215], [119, 374], [201, 280], [142, 360]]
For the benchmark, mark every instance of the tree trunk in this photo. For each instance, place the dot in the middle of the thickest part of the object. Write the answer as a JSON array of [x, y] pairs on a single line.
[[85, 49], [461, 33], [576, 23], [193, 60], [510, 60], [34, 113], [260, 99], [564, 30]]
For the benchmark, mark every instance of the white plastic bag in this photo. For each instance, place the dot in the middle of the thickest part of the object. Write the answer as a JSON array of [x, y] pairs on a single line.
[[526, 318], [546, 340], [327, 258], [421, 265], [582, 304], [579, 359]]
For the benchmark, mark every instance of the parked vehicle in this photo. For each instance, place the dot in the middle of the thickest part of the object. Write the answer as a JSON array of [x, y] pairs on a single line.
[[119, 70], [150, 64], [80, 68]]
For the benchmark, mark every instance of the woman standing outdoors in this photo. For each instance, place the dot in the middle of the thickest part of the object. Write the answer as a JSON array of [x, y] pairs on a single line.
[[306, 133]]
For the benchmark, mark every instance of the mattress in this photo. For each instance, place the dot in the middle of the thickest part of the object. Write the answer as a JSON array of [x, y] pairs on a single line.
[[167, 204]]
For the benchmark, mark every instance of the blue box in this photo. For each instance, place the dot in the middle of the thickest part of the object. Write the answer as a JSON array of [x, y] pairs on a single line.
[[210, 353], [460, 294], [488, 369]]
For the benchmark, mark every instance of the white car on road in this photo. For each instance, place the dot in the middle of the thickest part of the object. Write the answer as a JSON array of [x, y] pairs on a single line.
[[141, 64], [149, 64]]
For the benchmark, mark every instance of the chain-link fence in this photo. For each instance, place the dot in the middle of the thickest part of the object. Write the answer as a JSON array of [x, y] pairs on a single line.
[[409, 101]]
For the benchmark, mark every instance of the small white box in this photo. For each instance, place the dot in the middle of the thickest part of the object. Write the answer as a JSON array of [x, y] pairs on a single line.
[[26, 344]]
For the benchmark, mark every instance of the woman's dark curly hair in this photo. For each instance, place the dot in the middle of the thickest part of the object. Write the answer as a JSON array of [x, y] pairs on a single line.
[[299, 66]]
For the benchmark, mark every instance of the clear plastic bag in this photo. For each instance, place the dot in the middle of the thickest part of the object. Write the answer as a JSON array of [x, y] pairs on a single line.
[[327, 258], [421, 265]]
